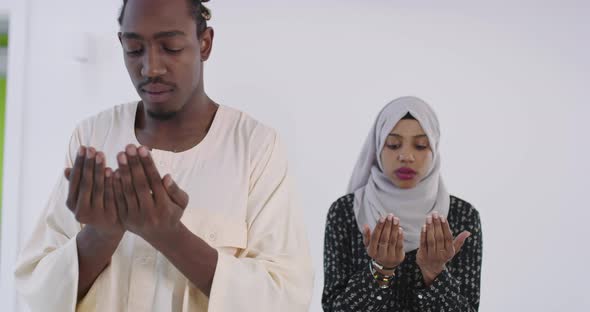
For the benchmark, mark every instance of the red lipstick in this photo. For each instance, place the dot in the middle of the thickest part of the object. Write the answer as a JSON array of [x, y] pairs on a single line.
[[405, 173]]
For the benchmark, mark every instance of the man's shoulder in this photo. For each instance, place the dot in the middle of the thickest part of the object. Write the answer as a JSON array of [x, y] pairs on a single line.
[[250, 128], [244, 120], [108, 118]]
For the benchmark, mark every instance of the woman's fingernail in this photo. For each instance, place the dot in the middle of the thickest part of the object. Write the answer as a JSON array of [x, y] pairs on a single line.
[[429, 220], [381, 220], [389, 218], [435, 215], [396, 221]]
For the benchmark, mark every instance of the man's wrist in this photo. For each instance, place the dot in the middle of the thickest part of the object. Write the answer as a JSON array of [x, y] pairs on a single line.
[[168, 240], [109, 237]]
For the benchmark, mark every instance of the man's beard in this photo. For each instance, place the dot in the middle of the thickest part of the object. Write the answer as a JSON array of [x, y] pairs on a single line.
[[162, 116]]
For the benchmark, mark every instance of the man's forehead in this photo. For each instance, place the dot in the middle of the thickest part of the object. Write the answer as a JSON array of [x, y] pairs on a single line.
[[158, 27], [153, 14], [158, 2]]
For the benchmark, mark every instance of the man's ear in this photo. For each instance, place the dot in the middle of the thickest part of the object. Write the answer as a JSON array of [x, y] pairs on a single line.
[[206, 43]]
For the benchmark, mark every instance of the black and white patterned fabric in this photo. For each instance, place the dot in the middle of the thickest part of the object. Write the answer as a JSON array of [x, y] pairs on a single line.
[[349, 286]]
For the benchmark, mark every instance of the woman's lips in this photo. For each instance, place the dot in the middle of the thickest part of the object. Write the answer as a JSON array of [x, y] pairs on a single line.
[[405, 174]]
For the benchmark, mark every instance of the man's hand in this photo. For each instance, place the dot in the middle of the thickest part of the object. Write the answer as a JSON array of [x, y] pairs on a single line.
[[148, 205], [91, 195]]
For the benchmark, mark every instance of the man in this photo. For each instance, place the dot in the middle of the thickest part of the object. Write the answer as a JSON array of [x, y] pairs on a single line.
[[216, 232]]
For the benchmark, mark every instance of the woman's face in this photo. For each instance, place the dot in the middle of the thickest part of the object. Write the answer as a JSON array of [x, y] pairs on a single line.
[[406, 156]]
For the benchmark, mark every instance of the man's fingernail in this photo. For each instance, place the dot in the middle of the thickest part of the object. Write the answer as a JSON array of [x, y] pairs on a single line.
[[168, 181], [143, 151], [131, 150], [396, 221], [122, 159], [98, 159], [81, 151]]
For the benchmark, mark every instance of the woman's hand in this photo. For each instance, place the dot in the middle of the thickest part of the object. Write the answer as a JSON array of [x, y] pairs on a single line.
[[386, 244], [437, 246]]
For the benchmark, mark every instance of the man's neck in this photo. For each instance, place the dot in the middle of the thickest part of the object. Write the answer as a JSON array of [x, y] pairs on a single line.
[[180, 132]]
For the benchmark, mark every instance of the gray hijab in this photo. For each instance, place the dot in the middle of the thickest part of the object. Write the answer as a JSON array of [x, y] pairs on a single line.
[[374, 193]]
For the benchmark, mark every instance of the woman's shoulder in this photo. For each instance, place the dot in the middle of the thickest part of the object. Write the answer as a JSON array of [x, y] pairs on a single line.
[[462, 211], [461, 204], [342, 208]]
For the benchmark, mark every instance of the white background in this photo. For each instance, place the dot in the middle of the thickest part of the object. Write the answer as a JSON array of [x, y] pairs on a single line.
[[509, 82]]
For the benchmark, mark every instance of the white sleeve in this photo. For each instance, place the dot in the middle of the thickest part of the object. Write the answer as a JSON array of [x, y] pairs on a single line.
[[46, 274], [274, 273]]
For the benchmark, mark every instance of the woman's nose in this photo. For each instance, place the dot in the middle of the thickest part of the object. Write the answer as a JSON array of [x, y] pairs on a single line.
[[406, 157]]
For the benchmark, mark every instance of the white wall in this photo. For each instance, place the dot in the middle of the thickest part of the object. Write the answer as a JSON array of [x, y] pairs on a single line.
[[16, 12], [508, 82], [5, 5]]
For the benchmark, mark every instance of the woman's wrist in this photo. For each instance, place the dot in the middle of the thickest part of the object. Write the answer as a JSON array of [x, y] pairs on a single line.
[[430, 275], [382, 275], [385, 272], [380, 266]]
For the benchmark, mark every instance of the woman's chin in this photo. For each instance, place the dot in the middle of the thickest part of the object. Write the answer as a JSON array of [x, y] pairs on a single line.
[[403, 184]]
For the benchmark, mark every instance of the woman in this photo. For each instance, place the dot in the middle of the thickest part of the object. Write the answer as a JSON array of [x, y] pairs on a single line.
[[399, 241]]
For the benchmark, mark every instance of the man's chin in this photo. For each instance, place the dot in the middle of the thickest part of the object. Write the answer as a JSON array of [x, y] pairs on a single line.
[[161, 115], [159, 111]]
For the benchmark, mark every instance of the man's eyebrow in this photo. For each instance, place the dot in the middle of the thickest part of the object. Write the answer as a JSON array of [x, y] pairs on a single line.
[[163, 34], [170, 33], [131, 35]]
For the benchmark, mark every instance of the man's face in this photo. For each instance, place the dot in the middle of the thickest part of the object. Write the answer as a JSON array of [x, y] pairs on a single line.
[[162, 53]]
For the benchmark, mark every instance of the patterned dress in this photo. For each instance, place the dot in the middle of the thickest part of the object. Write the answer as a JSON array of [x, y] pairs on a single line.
[[349, 285]]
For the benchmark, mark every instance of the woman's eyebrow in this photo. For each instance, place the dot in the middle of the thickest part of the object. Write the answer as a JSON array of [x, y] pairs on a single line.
[[401, 136]]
